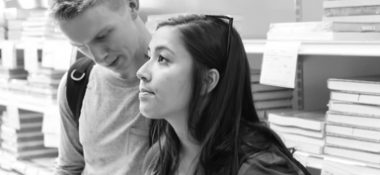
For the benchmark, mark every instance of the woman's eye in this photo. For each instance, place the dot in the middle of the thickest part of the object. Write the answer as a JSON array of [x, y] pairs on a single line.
[[147, 56], [161, 59]]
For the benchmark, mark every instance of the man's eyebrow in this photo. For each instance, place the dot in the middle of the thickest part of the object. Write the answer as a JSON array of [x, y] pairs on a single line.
[[103, 31]]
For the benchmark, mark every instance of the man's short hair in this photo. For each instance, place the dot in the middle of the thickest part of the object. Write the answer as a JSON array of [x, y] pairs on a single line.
[[69, 9]]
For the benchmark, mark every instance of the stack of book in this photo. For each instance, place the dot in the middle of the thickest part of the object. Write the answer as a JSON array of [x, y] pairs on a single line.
[[357, 20], [22, 137], [1, 122], [364, 13], [302, 130], [2, 26], [353, 118], [33, 25], [44, 82], [11, 66], [39, 26], [337, 167], [7, 74], [267, 98], [36, 166], [14, 19], [12, 63]]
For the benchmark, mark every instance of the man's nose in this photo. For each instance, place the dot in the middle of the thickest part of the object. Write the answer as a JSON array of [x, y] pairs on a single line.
[[98, 52]]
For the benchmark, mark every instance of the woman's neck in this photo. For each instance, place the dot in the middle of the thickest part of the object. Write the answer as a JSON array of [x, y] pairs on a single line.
[[190, 148]]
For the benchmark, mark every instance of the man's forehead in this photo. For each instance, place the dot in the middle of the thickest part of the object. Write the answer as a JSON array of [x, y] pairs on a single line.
[[85, 27]]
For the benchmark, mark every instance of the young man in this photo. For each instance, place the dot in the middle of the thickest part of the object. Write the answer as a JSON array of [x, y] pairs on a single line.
[[112, 136]]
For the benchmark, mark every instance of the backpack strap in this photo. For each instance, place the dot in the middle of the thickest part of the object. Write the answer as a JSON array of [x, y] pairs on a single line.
[[76, 84]]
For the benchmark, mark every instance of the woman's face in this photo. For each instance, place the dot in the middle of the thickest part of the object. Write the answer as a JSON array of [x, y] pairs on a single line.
[[165, 79]]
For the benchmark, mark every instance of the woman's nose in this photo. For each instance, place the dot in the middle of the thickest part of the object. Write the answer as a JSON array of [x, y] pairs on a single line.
[[143, 73]]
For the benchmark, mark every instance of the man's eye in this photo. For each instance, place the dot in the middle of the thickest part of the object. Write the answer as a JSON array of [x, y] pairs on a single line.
[[101, 37]]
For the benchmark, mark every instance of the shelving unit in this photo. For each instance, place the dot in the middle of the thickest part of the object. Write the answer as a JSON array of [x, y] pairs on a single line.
[[331, 48], [319, 61], [12, 99]]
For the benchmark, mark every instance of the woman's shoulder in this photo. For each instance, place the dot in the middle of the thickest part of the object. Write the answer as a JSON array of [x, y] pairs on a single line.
[[272, 162]]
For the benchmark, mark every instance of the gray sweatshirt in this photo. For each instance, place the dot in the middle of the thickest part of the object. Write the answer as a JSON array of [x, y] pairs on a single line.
[[112, 136]]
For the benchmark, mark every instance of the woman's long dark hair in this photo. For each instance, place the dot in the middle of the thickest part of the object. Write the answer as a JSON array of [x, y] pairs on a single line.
[[229, 116]]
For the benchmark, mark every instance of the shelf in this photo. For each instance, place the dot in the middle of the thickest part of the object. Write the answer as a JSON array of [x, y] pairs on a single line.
[[338, 48], [28, 102], [316, 161], [36, 166]]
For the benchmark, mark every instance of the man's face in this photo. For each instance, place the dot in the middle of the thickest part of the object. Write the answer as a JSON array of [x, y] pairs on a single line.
[[110, 37]]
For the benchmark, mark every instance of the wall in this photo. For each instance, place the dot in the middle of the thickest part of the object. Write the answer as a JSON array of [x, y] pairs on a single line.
[[254, 16], [312, 10]]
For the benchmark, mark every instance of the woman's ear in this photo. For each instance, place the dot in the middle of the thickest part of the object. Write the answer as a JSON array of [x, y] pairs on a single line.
[[134, 5], [210, 81]]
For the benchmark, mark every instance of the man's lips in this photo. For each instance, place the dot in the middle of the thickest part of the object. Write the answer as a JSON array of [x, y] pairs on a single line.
[[112, 63]]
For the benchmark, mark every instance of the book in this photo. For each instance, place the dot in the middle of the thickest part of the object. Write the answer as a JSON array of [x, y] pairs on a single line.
[[22, 119], [304, 147], [270, 104], [312, 120], [350, 3], [371, 99], [256, 87], [37, 153], [352, 11], [13, 73], [350, 119], [270, 95], [324, 26], [255, 75], [356, 18], [262, 113], [293, 27], [354, 108], [365, 84], [10, 129], [309, 159], [352, 132], [40, 166], [296, 130], [356, 27], [324, 36], [15, 148], [330, 167], [304, 139], [352, 143], [15, 13], [22, 146], [22, 137], [352, 154]]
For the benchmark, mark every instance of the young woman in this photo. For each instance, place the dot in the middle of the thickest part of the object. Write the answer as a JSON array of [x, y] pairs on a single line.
[[196, 87]]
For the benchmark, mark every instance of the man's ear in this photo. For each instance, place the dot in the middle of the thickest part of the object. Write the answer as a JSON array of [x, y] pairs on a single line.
[[134, 5], [211, 79]]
